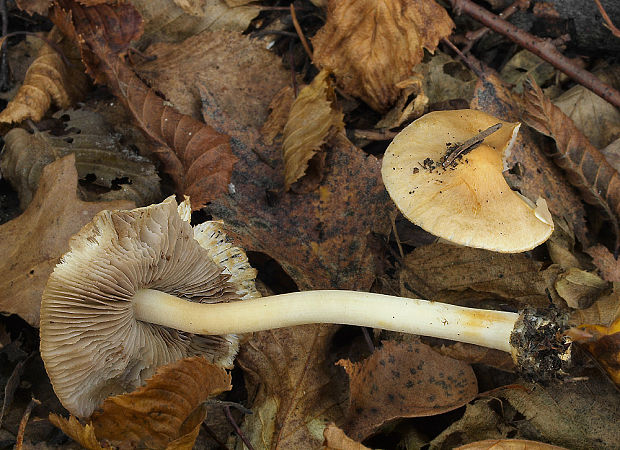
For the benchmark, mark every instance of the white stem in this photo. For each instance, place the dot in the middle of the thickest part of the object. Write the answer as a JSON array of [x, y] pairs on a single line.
[[488, 328]]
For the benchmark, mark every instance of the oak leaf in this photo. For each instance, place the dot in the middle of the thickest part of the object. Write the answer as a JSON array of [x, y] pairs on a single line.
[[293, 387], [166, 413], [371, 46], [49, 79], [31, 245], [197, 157], [313, 118], [508, 444], [336, 439], [404, 380]]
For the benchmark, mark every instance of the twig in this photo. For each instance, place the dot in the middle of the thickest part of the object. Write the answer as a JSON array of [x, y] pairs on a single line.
[[615, 31], [300, 33], [473, 36], [213, 436], [22, 424], [467, 59], [373, 135], [465, 147], [368, 339], [539, 47], [232, 421]]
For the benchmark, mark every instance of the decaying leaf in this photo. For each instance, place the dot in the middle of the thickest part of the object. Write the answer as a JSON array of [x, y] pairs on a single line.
[[561, 245], [604, 345], [404, 380], [293, 389], [605, 262], [445, 79], [586, 167], [313, 118], [508, 444], [279, 108], [32, 244], [170, 21], [336, 439], [34, 6], [475, 354], [99, 157], [526, 64], [48, 80], [597, 119], [228, 63], [405, 109], [166, 413], [579, 288], [578, 415], [372, 46], [466, 276], [602, 312], [197, 157], [528, 168]]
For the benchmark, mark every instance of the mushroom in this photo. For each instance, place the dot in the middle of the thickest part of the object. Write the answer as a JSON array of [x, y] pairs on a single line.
[[141, 288], [444, 172]]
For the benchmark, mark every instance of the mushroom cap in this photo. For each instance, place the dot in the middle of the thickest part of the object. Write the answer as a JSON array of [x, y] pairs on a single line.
[[469, 202], [91, 343]]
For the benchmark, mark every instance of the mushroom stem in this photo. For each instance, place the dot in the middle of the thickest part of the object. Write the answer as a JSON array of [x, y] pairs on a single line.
[[488, 328]]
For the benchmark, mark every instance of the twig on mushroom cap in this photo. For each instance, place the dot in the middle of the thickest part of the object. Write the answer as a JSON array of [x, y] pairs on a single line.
[[120, 287], [456, 150]]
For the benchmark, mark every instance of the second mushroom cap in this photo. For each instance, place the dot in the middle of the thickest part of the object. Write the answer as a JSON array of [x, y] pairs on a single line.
[[468, 202]]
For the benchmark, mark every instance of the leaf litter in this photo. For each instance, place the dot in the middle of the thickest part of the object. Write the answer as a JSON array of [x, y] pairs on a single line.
[[211, 68]]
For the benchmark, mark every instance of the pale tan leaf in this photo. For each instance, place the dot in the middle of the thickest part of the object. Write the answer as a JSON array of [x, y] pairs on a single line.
[[404, 380], [280, 108], [508, 444], [294, 390], [579, 288], [34, 6], [192, 7], [82, 434], [313, 118], [49, 80], [336, 439], [156, 414], [372, 46], [99, 150], [31, 245], [602, 312]]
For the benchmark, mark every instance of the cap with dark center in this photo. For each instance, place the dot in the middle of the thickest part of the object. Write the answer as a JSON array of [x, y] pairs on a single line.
[[91, 343], [444, 172]]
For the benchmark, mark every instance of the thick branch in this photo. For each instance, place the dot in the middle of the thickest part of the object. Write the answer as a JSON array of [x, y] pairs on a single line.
[[539, 47]]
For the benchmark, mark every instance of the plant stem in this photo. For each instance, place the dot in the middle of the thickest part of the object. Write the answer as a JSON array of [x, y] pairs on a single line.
[[488, 328]]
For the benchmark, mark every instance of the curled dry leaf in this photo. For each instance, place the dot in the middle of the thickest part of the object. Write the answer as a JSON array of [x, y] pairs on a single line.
[[280, 108], [586, 167], [293, 388], [48, 80], [31, 245], [508, 444], [579, 288], [99, 153], [197, 157], [336, 439], [312, 119], [372, 46], [165, 413], [404, 380], [83, 434]]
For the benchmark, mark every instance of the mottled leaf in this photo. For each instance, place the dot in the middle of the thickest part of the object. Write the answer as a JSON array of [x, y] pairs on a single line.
[[525, 64]]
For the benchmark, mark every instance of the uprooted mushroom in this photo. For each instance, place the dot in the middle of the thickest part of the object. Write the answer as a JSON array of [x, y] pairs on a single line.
[[141, 288]]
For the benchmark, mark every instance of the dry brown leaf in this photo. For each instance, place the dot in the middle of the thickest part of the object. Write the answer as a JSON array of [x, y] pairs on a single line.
[[579, 288], [197, 157], [508, 444], [404, 109], [404, 380], [603, 312], [603, 343], [294, 390], [475, 354], [229, 63], [578, 415], [31, 245], [336, 439], [156, 414], [586, 167], [168, 21], [313, 118], [605, 262], [598, 120], [48, 80], [530, 170], [372, 46], [34, 6], [82, 434], [279, 108], [166, 413], [446, 272], [119, 173]]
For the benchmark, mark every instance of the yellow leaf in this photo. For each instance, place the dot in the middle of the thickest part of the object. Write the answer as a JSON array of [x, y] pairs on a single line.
[[82, 434]]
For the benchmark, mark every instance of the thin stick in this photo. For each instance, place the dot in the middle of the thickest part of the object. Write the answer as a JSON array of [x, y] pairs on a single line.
[[467, 59], [300, 33], [461, 149], [539, 47], [474, 36], [22, 424], [232, 421], [615, 31], [373, 135]]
